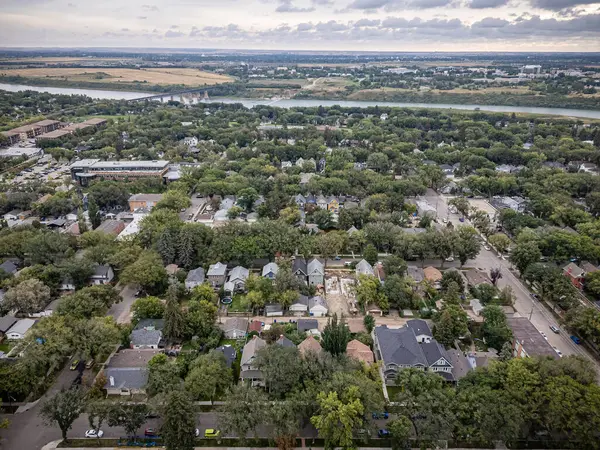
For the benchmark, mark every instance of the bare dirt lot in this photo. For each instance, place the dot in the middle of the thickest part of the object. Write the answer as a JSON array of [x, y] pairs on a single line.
[[162, 76]]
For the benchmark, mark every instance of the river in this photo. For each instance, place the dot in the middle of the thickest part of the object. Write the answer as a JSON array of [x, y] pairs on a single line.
[[290, 103]]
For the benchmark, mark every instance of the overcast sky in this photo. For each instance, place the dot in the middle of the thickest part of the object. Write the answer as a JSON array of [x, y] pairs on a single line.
[[378, 25]]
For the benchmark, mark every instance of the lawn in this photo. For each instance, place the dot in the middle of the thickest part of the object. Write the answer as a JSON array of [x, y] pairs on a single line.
[[393, 391], [5, 347], [238, 304]]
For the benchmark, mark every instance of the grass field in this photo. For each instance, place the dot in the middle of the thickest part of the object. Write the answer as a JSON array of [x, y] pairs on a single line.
[[162, 76]]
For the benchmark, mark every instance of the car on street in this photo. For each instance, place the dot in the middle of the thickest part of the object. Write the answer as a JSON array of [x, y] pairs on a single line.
[[449, 259], [211, 432], [89, 364], [544, 335], [338, 257], [94, 434], [554, 329], [197, 432], [576, 340], [150, 432], [487, 247], [74, 364], [445, 220], [462, 219], [383, 433], [558, 352], [383, 415]]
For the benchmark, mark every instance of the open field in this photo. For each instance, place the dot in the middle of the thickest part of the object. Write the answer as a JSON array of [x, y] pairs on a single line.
[[53, 59], [159, 76]]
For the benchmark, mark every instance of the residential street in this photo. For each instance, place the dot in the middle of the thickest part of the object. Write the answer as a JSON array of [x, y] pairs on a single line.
[[121, 311]]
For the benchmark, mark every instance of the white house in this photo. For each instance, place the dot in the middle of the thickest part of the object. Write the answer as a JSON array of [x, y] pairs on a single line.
[[20, 329], [364, 268], [270, 270], [103, 274], [317, 307], [194, 278], [421, 329], [300, 306]]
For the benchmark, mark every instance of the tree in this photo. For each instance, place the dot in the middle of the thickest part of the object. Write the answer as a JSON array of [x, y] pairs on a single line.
[[378, 162], [204, 292], [394, 265], [524, 254], [174, 327], [290, 215], [163, 376], [63, 409], [400, 431], [329, 244], [200, 318], [234, 212], [452, 276], [208, 376], [337, 418], [29, 296], [481, 220], [280, 367], [461, 204], [370, 254], [500, 242], [174, 200], [94, 213], [179, 426], [89, 302], [238, 414], [368, 291], [147, 308], [147, 271], [592, 282], [467, 245], [246, 198], [98, 413], [336, 336], [323, 219], [130, 416], [400, 292], [495, 274], [284, 419], [369, 322], [450, 324], [495, 329]]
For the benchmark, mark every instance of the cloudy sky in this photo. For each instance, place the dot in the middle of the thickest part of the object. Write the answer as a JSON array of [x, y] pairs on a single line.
[[378, 25]]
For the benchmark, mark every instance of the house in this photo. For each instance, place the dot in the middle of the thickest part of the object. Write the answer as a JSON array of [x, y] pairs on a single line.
[[300, 201], [144, 201], [433, 275], [477, 277], [421, 329], [286, 165], [299, 269], [527, 340], [310, 345], [315, 272], [364, 268], [476, 306], [255, 325], [589, 168], [317, 307], [126, 372], [235, 327], [194, 278], [113, 227], [67, 285], [284, 342], [237, 279], [217, 274], [103, 274], [416, 273], [300, 306], [147, 334], [15, 214], [359, 351], [270, 270], [447, 169], [229, 353], [274, 310], [425, 209], [398, 348], [6, 323], [322, 202], [461, 365], [352, 230], [333, 205], [576, 274], [305, 325], [248, 370], [19, 329], [9, 267]]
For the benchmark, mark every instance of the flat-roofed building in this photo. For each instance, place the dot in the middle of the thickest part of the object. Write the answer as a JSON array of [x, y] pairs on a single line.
[[48, 125], [527, 340], [53, 135], [85, 170], [28, 131], [17, 152], [12, 136]]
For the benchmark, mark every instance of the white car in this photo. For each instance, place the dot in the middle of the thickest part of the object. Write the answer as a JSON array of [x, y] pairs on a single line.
[[93, 434], [487, 247], [449, 259], [544, 335], [197, 432], [558, 352], [445, 220]]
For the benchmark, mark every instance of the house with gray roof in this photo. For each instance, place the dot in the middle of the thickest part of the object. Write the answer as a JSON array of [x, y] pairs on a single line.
[[416, 273], [284, 342], [147, 334], [299, 269], [273, 310], [195, 278], [237, 279], [229, 353], [126, 372], [315, 272], [304, 325], [9, 267], [217, 274], [270, 270], [317, 306], [421, 329], [300, 200], [364, 268], [6, 323], [103, 274], [235, 327], [300, 306], [248, 369]]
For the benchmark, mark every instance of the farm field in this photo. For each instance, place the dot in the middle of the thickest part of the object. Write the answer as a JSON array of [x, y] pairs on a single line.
[[152, 76]]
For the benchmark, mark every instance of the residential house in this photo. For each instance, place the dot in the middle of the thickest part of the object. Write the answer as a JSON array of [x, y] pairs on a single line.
[[333, 205], [506, 168], [359, 351], [237, 279], [300, 306], [19, 329], [476, 306], [67, 284], [270, 270], [6, 324], [352, 230], [248, 370], [527, 340], [317, 307], [421, 329], [113, 227], [322, 202], [300, 162], [416, 273], [9, 267], [235, 327], [311, 199], [575, 273], [229, 353], [191, 141], [103, 274], [147, 334], [425, 209], [364, 268], [310, 345], [433, 275], [255, 325], [284, 342], [307, 325], [461, 365], [477, 277], [194, 278], [315, 272], [126, 372], [144, 201], [286, 165], [299, 269], [589, 168], [447, 169], [217, 273], [300, 201], [274, 310]]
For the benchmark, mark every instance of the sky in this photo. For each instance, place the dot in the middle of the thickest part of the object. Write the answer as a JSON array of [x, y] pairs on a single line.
[[359, 25]]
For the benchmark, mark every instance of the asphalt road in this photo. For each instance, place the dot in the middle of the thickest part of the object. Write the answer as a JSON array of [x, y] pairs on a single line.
[[122, 311]]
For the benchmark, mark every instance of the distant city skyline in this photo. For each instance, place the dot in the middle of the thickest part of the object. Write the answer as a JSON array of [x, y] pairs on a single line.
[[359, 25]]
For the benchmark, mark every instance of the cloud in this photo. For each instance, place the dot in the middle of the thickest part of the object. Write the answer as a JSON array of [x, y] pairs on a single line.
[[174, 27], [367, 23], [71, 5], [150, 8], [395, 5], [125, 29], [557, 5], [286, 6], [490, 22], [174, 34], [322, 2], [481, 4], [305, 26], [142, 17]]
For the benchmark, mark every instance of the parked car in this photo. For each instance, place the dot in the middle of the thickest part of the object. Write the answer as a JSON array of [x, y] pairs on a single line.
[[558, 352], [383, 433], [197, 432], [487, 247], [576, 340], [338, 257], [449, 259], [383, 415], [544, 335], [90, 364], [554, 329], [150, 432], [211, 432], [462, 219], [94, 434], [74, 364]]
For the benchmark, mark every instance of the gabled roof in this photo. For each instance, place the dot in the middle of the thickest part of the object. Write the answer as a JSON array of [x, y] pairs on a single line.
[[9, 267], [317, 300], [433, 352], [416, 273], [573, 270], [284, 342], [300, 198], [21, 326], [196, 275], [6, 322], [357, 350], [235, 323], [154, 324], [307, 324], [352, 230], [364, 268], [399, 346], [476, 277], [420, 327], [238, 273], [315, 265], [145, 337], [273, 308], [310, 344], [216, 270], [101, 271], [255, 325], [126, 377], [299, 264], [270, 268], [250, 349], [229, 353]]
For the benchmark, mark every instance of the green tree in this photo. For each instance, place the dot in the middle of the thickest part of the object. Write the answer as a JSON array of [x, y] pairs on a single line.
[[130, 416], [323, 219], [368, 291], [329, 245], [336, 336], [234, 212], [280, 367], [147, 271], [204, 292], [524, 254], [246, 198], [147, 308], [452, 276], [338, 417], [29, 296], [400, 431], [208, 376], [450, 324], [95, 337], [174, 327], [592, 282], [238, 414], [500, 242], [94, 213], [200, 318], [370, 254], [89, 302], [369, 322], [174, 200], [461, 204], [394, 265], [290, 215], [495, 329], [179, 426], [285, 423], [63, 409], [467, 245]]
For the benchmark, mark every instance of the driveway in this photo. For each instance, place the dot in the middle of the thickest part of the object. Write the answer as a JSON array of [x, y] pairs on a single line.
[[122, 311]]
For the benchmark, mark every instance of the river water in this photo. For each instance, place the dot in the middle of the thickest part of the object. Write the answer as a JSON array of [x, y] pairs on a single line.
[[289, 103]]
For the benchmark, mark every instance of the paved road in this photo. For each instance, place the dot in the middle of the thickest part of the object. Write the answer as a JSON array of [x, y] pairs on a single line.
[[122, 311]]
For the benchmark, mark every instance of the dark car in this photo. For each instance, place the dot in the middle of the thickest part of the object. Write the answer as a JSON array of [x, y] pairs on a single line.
[[576, 340], [383, 433], [383, 415], [151, 432]]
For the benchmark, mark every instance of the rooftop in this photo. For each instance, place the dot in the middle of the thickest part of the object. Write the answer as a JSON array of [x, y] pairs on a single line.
[[530, 338]]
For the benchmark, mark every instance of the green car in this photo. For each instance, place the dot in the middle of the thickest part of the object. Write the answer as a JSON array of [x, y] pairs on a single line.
[[74, 364], [211, 432]]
